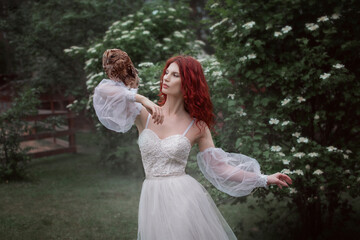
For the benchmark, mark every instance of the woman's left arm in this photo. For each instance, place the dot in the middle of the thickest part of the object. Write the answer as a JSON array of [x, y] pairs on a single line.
[[233, 173]]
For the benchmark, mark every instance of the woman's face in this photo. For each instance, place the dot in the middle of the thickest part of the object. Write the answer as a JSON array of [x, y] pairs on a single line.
[[172, 81]]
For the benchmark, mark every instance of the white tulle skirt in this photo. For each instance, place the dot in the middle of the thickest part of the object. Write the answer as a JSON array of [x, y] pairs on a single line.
[[179, 208]]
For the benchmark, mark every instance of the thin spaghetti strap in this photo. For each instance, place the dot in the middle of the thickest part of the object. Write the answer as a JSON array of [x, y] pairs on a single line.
[[147, 121], [192, 122]]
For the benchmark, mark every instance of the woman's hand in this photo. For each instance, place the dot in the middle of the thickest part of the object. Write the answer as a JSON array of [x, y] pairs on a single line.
[[152, 108], [279, 179]]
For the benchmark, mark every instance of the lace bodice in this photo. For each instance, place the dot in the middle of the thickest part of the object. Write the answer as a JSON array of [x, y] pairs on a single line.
[[164, 157]]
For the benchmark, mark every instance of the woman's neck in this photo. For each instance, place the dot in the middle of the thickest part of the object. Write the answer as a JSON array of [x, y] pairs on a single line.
[[174, 106]]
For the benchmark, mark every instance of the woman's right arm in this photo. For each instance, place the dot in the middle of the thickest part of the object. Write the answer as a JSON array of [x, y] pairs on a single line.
[[118, 108]]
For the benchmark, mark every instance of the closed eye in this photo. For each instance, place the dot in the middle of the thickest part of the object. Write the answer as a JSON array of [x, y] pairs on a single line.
[[175, 74]]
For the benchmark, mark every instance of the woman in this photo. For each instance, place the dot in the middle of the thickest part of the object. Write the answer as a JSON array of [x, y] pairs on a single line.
[[173, 205]]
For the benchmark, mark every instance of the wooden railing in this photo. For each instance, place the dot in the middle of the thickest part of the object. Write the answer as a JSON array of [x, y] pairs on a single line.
[[54, 107]]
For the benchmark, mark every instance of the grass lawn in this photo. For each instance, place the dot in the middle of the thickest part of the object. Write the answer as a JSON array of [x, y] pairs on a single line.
[[71, 198]]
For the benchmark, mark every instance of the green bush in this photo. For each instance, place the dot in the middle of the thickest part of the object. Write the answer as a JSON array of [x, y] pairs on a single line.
[[293, 103], [150, 36], [13, 159]]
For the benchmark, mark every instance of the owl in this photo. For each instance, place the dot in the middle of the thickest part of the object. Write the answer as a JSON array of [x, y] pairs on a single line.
[[119, 67]]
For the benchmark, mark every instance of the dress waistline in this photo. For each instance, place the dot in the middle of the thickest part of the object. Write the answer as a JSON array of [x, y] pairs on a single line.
[[166, 175]]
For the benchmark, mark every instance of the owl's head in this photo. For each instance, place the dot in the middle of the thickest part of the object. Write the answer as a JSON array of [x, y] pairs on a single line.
[[119, 67], [111, 56]]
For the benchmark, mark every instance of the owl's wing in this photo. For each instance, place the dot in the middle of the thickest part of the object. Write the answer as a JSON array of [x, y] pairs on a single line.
[[131, 71]]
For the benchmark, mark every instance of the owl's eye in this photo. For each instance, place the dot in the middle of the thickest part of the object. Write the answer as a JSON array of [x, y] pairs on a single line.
[[112, 56]]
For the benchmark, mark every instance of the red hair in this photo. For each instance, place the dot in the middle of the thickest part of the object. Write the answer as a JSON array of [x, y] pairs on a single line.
[[194, 89]]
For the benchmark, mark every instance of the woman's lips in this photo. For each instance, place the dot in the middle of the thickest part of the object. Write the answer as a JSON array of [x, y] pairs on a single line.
[[165, 86]]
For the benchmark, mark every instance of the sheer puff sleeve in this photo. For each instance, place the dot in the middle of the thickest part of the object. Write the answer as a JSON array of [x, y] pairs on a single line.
[[115, 105], [232, 173]]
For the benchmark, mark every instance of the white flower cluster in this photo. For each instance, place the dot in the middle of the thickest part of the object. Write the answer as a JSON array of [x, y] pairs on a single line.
[[285, 123], [314, 26], [299, 155], [178, 34], [297, 171], [302, 140], [92, 79], [154, 86], [73, 49], [284, 30], [286, 162], [332, 149], [250, 56], [218, 24], [313, 154], [281, 154], [275, 148], [91, 50], [200, 42], [292, 190], [126, 23], [249, 25], [286, 171], [285, 101], [273, 121], [69, 106], [300, 99], [338, 66], [325, 76], [277, 34], [146, 64], [172, 9], [216, 74], [311, 26], [318, 172], [89, 62], [232, 29], [241, 112], [296, 134], [323, 19], [335, 16], [232, 96], [214, 5]]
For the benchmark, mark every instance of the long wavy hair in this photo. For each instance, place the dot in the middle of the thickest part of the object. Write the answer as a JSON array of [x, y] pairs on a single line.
[[194, 89]]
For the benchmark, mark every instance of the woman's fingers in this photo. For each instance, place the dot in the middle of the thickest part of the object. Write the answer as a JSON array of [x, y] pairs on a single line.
[[157, 115], [286, 178]]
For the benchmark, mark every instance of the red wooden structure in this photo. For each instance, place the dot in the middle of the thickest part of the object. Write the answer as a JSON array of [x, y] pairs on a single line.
[[49, 142], [54, 139]]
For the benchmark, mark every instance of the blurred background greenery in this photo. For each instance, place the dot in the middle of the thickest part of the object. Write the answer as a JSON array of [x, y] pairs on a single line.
[[284, 80]]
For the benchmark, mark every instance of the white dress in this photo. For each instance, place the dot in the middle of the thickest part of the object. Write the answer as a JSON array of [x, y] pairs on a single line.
[[173, 205]]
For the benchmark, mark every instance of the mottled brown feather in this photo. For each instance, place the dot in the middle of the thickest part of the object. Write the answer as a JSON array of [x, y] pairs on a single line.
[[119, 67]]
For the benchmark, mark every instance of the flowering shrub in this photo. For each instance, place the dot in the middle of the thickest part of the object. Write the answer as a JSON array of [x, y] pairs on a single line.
[[292, 101], [149, 36]]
